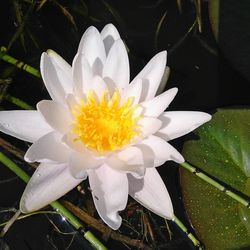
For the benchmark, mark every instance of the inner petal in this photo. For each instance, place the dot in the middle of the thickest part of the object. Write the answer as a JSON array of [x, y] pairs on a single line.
[[107, 124]]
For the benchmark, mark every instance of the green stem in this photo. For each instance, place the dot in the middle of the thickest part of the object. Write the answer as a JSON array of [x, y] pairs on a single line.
[[19, 64], [23, 216], [18, 102], [56, 205], [14, 168], [185, 230], [216, 184]]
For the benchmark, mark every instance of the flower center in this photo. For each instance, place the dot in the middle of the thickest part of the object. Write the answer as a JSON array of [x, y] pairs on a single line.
[[106, 125]]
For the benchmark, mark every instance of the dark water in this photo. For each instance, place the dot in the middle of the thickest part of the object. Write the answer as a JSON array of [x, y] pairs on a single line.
[[209, 74]]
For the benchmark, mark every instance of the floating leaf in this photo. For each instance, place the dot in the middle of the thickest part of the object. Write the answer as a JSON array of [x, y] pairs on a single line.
[[222, 150]]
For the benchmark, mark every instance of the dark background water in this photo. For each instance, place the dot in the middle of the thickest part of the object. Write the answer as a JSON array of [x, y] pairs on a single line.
[[208, 73]]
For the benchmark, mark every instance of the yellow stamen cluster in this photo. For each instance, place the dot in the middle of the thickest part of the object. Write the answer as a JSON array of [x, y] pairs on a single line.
[[106, 125]]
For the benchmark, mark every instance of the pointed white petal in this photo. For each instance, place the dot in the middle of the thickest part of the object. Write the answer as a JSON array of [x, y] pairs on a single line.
[[82, 74], [48, 183], [149, 125], [56, 79], [132, 90], [109, 35], [117, 65], [92, 47], [110, 193], [99, 86], [72, 101], [79, 162], [179, 123], [26, 125], [112, 87], [163, 81], [157, 105], [64, 70], [151, 75], [70, 139], [156, 152], [56, 115], [129, 160], [48, 148], [152, 193]]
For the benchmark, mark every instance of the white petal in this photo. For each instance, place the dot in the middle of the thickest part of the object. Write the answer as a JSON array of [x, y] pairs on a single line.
[[99, 86], [56, 79], [109, 35], [58, 61], [117, 65], [48, 148], [48, 183], [92, 47], [56, 115], [157, 105], [26, 125], [179, 123], [129, 160], [149, 125], [156, 152], [79, 162], [110, 193], [82, 74], [152, 193], [151, 75], [72, 101], [132, 90], [70, 139], [163, 81]]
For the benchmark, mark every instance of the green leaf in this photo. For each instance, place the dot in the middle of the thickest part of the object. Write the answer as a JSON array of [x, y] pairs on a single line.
[[221, 149]]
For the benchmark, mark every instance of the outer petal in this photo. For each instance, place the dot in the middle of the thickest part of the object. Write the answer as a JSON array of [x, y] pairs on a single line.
[[149, 125], [151, 192], [56, 115], [72, 101], [59, 62], [117, 65], [92, 47], [157, 105], [109, 35], [163, 81], [25, 125], [70, 139], [128, 160], [151, 75], [99, 86], [110, 193], [133, 90], [56, 78], [82, 74], [179, 123], [48, 183], [79, 162], [48, 148], [156, 151]]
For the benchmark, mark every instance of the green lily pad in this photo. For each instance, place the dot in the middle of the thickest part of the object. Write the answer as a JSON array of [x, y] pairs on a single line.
[[222, 150]]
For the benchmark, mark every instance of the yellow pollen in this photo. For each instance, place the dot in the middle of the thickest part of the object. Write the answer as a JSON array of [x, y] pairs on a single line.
[[105, 125]]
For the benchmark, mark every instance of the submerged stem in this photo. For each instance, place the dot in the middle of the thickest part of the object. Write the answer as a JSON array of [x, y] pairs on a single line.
[[189, 235], [56, 205], [18, 102], [216, 184], [10, 223], [19, 64]]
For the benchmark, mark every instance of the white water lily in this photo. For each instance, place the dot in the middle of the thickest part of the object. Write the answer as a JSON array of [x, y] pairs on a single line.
[[101, 126]]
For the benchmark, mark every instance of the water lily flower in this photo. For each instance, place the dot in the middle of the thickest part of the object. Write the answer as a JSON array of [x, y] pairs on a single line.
[[101, 126]]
